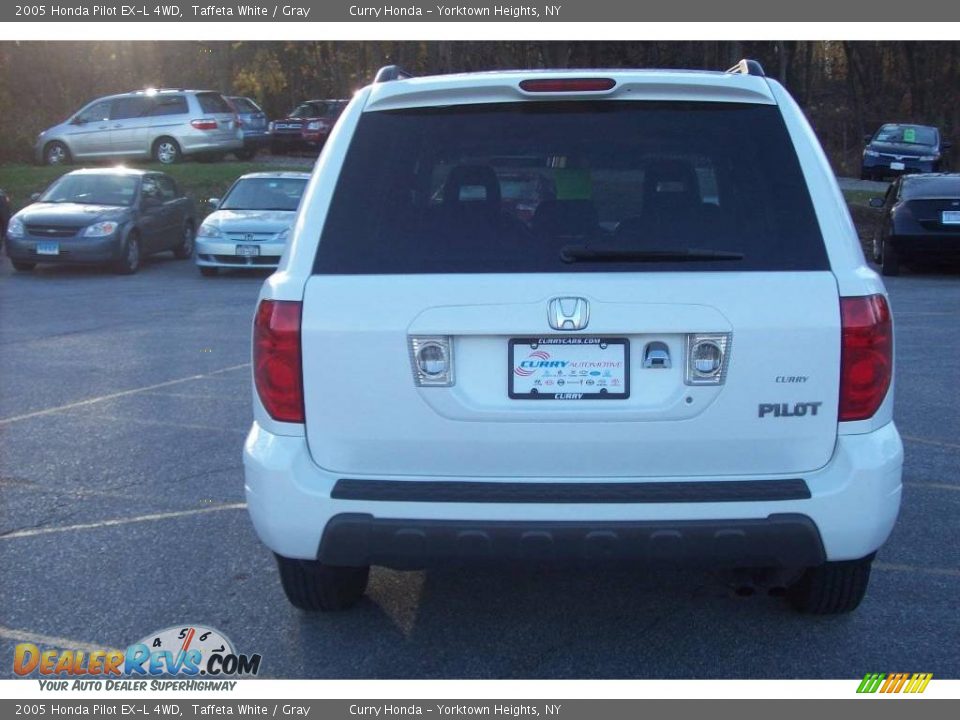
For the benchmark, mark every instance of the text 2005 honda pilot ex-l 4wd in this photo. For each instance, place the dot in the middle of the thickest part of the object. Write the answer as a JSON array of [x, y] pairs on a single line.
[[672, 351]]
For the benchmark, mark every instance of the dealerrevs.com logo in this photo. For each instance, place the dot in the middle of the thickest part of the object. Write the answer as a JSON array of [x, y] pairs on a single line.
[[201, 658]]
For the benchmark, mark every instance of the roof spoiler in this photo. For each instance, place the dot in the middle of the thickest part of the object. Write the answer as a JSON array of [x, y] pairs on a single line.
[[391, 72], [748, 67]]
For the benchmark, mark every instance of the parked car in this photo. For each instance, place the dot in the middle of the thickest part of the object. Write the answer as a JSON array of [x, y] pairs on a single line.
[[106, 215], [920, 221], [899, 149], [306, 127], [695, 366], [249, 226], [253, 127], [165, 125]]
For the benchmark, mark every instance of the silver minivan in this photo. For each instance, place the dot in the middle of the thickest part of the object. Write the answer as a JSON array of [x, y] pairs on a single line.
[[164, 125]]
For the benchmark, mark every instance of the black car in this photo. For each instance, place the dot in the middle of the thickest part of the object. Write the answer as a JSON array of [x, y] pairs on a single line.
[[109, 215], [920, 221], [898, 149]]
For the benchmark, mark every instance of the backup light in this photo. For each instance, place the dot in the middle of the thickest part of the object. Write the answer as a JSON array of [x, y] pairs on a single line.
[[708, 356], [432, 360]]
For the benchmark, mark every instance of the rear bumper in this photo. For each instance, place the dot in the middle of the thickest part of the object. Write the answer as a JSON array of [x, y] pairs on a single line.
[[775, 541], [194, 144], [848, 511], [936, 245]]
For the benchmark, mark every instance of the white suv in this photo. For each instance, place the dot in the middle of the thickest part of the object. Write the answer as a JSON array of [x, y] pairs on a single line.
[[574, 315]]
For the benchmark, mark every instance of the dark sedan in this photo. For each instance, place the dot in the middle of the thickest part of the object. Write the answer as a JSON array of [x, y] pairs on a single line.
[[920, 221], [111, 216], [900, 149]]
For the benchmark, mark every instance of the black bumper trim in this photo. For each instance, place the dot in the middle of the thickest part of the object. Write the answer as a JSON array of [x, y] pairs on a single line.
[[782, 540], [574, 492]]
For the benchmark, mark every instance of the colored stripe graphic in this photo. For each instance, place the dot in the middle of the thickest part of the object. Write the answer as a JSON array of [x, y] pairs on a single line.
[[871, 682], [894, 683]]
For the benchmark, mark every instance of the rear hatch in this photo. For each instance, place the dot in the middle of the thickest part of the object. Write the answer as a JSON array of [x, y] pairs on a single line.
[[666, 237], [213, 105]]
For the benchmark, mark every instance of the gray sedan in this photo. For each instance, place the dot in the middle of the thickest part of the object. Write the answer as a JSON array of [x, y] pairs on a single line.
[[250, 225], [110, 215]]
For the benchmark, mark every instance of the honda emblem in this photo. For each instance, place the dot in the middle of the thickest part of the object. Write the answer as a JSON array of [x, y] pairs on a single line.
[[568, 313]]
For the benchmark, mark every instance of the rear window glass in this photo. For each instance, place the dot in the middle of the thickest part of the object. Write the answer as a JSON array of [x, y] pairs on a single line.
[[169, 105], [213, 103], [933, 187], [568, 187], [244, 106]]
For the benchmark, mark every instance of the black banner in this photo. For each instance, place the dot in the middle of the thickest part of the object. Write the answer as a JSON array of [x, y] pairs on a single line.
[[449, 11]]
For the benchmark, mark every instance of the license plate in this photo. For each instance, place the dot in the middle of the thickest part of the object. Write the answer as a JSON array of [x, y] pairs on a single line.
[[951, 217], [897, 166], [48, 248], [569, 368], [248, 250]]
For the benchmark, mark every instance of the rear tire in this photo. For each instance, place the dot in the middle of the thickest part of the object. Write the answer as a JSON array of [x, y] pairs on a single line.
[[21, 266], [277, 149], [889, 260], [246, 155], [832, 588], [310, 585], [166, 151], [208, 271]]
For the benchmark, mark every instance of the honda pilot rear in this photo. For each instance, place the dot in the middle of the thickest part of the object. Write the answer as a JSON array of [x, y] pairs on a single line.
[[671, 352]]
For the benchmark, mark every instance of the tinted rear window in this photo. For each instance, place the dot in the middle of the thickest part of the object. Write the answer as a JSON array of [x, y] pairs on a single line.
[[213, 103], [243, 105], [940, 187], [515, 187]]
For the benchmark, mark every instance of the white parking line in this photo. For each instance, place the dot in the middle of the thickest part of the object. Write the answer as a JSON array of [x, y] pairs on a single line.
[[949, 572], [179, 425], [925, 441], [120, 521], [934, 486], [122, 393], [50, 640]]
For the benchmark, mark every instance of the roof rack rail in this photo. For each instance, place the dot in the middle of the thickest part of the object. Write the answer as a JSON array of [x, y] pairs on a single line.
[[391, 72], [748, 67]]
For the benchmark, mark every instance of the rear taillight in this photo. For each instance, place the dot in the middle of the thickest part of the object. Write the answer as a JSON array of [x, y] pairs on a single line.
[[204, 124], [560, 85], [277, 369], [866, 355]]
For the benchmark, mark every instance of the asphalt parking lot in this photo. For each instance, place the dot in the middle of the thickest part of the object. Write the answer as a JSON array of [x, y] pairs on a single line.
[[124, 402]]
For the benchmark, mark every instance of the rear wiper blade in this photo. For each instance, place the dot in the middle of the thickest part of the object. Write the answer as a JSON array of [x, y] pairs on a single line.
[[579, 253]]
